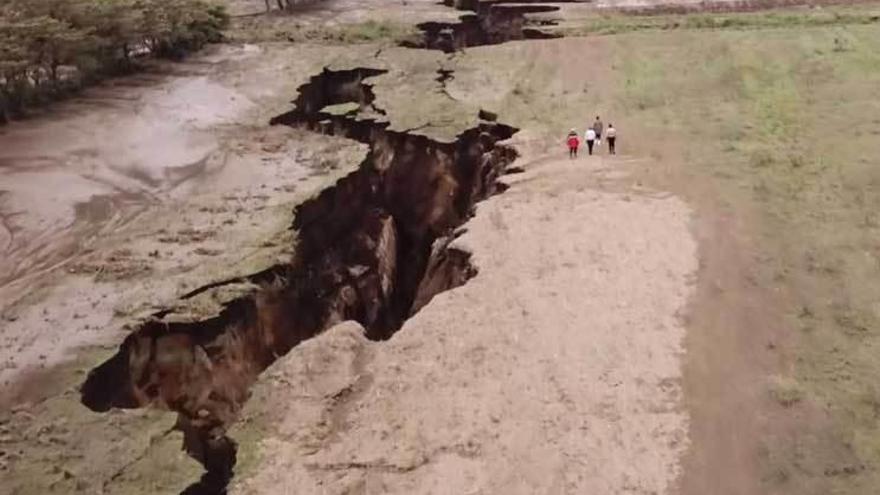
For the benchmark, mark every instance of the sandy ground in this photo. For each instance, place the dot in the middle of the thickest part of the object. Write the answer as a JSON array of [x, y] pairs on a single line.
[[556, 370]]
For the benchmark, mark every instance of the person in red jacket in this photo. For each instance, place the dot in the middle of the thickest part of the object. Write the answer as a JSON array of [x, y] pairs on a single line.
[[573, 143]]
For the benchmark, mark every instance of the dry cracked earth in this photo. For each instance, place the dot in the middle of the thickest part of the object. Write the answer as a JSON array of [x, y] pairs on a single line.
[[306, 268]]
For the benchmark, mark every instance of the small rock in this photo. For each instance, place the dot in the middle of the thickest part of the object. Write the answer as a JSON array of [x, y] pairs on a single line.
[[487, 115]]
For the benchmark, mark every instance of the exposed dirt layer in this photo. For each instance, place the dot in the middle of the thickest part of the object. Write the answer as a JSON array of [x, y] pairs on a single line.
[[369, 249]]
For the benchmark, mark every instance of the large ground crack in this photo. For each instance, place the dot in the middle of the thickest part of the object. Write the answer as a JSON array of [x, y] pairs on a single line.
[[374, 248], [490, 23]]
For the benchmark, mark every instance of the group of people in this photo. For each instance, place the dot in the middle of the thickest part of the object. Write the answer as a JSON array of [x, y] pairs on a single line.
[[593, 138]]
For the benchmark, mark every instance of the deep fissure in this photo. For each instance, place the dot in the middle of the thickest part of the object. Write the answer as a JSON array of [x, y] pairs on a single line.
[[490, 23], [375, 247]]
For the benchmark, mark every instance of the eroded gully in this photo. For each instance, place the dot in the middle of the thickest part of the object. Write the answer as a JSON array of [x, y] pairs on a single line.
[[374, 248]]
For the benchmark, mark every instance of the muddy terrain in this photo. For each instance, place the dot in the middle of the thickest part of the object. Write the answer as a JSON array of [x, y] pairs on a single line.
[[346, 252]]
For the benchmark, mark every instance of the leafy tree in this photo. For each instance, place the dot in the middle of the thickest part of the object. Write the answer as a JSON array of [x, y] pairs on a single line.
[[38, 37]]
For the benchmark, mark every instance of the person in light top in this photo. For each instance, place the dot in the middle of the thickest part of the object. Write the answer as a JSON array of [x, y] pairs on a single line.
[[590, 138], [611, 136]]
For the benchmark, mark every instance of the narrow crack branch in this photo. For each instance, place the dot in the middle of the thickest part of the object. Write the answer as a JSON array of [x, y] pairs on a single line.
[[143, 454]]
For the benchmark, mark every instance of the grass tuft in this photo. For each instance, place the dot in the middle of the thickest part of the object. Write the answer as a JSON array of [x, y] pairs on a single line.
[[617, 23], [786, 391]]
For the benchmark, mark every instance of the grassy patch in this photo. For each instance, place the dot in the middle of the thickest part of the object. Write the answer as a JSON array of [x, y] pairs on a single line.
[[616, 23], [786, 391], [786, 120], [276, 28]]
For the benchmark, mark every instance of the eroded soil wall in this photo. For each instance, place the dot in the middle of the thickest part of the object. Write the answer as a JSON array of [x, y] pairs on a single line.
[[373, 248]]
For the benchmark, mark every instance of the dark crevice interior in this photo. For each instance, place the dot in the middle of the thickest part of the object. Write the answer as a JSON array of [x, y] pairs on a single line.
[[490, 23], [375, 247]]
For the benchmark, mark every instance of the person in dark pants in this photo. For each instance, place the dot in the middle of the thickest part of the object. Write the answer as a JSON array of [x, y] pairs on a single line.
[[590, 138], [573, 144], [598, 127], [611, 135]]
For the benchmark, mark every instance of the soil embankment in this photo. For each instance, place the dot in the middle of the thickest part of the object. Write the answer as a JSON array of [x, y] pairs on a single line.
[[554, 370]]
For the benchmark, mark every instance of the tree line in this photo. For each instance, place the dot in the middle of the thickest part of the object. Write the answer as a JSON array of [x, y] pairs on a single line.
[[49, 48]]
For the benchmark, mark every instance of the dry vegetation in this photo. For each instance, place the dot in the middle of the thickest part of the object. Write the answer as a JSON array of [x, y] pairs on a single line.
[[617, 23], [287, 28]]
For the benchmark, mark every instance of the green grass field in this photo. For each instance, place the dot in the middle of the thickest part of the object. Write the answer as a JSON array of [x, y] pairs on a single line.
[[787, 121], [617, 23]]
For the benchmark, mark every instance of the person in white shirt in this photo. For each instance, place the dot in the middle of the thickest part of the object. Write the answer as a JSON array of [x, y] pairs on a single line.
[[611, 136], [590, 138]]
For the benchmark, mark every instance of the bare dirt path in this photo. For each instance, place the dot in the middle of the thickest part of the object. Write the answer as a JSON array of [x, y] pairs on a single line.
[[735, 341], [555, 370]]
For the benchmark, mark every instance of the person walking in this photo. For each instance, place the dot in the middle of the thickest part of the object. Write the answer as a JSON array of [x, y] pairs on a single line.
[[598, 127], [573, 144], [590, 138], [612, 138]]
